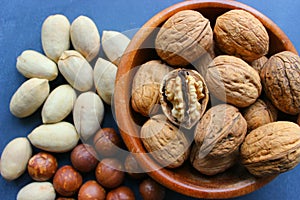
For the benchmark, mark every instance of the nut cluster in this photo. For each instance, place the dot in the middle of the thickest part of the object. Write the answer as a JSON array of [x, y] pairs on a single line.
[[94, 155], [241, 88]]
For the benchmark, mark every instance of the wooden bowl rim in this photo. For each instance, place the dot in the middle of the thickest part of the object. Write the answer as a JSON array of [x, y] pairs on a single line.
[[122, 109]]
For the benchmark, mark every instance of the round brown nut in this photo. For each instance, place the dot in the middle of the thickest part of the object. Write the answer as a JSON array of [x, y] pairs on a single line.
[[133, 168], [42, 166], [121, 193], [272, 148], [110, 173], [281, 81], [239, 33], [233, 81], [91, 190], [259, 63], [64, 198], [67, 181], [151, 190], [145, 87], [218, 136], [107, 142], [184, 97], [183, 38], [83, 158], [260, 113], [165, 142]]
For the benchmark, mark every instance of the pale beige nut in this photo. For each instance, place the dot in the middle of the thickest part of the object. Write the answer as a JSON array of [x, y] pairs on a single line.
[[29, 97], [55, 36], [239, 33], [88, 114], [281, 81], [59, 104], [233, 81], [184, 97], [76, 70], [104, 79], [260, 113], [183, 38], [33, 64], [85, 37], [166, 143], [15, 157], [37, 191], [272, 148], [145, 87], [114, 45], [59, 137], [258, 64]]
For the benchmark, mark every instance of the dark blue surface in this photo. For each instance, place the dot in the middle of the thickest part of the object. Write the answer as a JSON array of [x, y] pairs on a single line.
[[20, 27]]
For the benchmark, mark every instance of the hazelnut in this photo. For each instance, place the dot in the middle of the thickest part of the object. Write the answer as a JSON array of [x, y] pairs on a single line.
[[110, 173], [91, 190], [64, 198], [107, 141], [42, 166], [151, 190], [83, 158], [133, 168], [67, 181], [121, 193]]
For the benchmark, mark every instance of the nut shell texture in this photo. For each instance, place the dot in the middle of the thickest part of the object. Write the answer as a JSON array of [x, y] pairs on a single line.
[[145, 87], [281, 81], [165, 142], [239, 33], [233, 81], [184, 97], [272, 148], [183, 38]]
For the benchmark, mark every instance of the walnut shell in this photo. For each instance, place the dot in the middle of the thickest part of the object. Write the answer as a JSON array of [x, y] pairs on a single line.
[[165, 142], [260, 113], [281, 81], [145, 87], [183, 38], [241, 34], [183, 97], [210, 165], [258, 64], [233, 81], [218, 136], [220, 131], [272, 148]]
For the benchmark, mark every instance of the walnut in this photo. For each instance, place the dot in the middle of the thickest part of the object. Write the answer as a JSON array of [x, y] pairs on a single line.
[[281, 81], [218, 136], [165, 142], [145, 87], [241, 34], [233, 81], [183, 97], [258, 64], [260, 113], [183, 38], [210, 165], [272, 148]]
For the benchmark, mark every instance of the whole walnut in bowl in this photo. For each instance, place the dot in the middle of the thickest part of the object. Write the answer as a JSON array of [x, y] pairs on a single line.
[[233, 182]]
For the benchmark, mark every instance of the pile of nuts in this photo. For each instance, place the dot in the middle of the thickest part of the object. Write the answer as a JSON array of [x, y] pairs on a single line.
[[219, 85], [96, 151]]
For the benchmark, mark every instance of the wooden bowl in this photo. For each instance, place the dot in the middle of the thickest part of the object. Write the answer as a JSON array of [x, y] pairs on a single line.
[[185, 180]]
